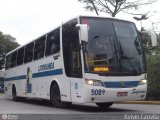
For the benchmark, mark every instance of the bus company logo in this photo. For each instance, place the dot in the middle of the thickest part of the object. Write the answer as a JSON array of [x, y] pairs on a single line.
[[134, 91], [4, 116], [46, 66]]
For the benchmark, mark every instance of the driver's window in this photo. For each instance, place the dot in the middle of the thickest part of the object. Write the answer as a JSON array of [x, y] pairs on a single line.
[[71, 53]]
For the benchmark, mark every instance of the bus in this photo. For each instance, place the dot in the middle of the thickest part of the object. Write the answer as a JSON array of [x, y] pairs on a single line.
[[84, 60], [1, 81]]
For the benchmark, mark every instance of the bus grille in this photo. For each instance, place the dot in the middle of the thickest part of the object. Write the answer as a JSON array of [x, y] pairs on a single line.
[[121, 84]]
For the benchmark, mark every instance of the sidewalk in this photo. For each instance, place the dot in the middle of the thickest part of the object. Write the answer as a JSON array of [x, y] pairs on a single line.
[[140, 102], [1, 93]]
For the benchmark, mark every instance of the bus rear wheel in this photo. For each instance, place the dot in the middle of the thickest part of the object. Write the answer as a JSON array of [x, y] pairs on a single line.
[[104, 105], [56, 99], [14, 93]]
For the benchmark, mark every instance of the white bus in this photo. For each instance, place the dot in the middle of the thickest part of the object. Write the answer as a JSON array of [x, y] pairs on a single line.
[[85, 60], [1, 81]]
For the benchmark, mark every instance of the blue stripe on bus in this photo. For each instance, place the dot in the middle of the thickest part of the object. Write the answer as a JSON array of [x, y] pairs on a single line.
[[16, 78], [36, 75], [121, 84], [48, 73]]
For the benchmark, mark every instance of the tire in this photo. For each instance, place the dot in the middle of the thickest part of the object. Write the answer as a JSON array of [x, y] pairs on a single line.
[[105, 105], [14, 94], [56, 99]]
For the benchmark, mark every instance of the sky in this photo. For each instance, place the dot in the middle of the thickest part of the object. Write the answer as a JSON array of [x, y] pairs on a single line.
[[26, 20]]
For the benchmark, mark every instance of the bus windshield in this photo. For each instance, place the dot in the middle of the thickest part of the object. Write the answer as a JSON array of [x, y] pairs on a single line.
[[113, 48]]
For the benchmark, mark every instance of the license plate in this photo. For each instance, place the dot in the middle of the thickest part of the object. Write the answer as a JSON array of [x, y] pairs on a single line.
[[122, 94]]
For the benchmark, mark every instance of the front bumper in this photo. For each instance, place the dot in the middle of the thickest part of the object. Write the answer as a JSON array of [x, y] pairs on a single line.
[[97, 94]]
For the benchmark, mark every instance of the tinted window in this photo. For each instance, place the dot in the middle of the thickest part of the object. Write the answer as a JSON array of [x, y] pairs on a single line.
[[39, 48], [101, 49], [14, 59], [53, 42], [71, 51], [131, 53], [112, 44], [8, 61], [29, 53], [20, 56]]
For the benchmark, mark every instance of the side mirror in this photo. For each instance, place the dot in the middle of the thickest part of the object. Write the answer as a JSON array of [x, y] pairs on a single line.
[[153, 38], [83, 28], [149, 35]]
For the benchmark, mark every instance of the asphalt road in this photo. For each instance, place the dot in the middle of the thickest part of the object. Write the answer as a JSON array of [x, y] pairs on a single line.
[[42, 109]]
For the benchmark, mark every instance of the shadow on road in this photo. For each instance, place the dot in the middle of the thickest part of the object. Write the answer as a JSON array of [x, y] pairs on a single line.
[[77, 107], [96, 109]]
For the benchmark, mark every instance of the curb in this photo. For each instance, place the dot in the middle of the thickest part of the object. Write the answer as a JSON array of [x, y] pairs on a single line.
[[1, 93], [140, 102]]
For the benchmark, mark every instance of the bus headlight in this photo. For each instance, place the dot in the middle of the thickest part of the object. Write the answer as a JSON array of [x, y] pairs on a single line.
[[94, 82], [142, 82]]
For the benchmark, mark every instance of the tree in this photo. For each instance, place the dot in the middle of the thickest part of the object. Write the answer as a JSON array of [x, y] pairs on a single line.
[[7, 43], [113, 7], [153, 63]]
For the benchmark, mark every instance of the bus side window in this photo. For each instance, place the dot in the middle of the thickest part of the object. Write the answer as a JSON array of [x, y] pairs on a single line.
[[8, 62], [20, 56], [14, 59], [53, 42], [39, 48], [28, 52]]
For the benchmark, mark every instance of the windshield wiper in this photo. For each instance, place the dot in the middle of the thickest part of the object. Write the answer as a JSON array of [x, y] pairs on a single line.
[[124, 56], [137, 45]]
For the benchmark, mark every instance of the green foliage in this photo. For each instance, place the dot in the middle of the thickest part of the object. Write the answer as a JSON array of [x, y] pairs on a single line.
[[153, 66], [7, 43]]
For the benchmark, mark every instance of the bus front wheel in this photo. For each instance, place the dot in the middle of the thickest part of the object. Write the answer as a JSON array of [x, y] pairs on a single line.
[[104, 105], [56, 99]]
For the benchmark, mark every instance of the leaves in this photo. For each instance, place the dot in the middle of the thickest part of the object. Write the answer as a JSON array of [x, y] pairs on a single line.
[[153, 63], [113, 7], [7, 43]]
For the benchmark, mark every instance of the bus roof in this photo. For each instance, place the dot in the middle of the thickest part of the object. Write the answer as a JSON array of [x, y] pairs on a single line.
[[105, 18], [92, 16]]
